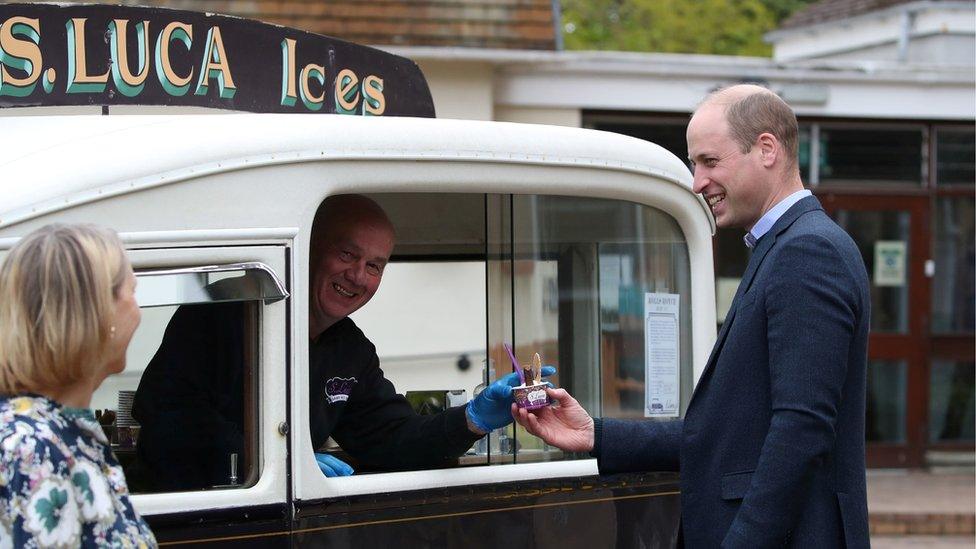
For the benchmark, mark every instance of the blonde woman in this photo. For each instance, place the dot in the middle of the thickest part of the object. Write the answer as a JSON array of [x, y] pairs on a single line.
[[67, 314]]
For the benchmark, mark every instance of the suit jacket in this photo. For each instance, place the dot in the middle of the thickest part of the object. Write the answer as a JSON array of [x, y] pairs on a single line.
[[771, 448]]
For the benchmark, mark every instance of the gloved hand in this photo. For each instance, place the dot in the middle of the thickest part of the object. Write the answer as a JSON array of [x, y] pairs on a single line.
[[332, 466], [491, 409]]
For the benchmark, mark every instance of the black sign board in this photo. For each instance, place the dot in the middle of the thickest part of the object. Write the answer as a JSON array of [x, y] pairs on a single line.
[[115, 55]]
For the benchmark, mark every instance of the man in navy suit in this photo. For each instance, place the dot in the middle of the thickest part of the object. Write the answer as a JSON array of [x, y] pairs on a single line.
[[771, 448]]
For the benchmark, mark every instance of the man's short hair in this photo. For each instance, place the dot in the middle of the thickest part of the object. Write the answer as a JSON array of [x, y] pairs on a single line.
[[339, 210], [58, 288], [758, 113]]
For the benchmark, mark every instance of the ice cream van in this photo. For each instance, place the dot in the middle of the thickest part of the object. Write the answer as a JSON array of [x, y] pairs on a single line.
[[209, 142]]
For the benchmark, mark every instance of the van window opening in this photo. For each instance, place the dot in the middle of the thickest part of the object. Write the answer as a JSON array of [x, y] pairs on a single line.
[[175, 422]]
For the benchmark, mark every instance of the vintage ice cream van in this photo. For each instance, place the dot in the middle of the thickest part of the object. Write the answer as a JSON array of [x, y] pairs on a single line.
[[587, 247]]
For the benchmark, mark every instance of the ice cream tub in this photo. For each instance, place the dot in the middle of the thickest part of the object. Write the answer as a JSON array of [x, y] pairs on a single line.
[[531, 397]]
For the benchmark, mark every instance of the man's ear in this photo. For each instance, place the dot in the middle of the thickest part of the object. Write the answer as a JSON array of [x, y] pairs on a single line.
[[769, 149]]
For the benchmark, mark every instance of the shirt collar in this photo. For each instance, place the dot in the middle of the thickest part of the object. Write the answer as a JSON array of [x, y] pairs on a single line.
[[768, 219]]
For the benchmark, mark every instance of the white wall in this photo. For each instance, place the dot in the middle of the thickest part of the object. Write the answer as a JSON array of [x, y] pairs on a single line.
[[554, 117], [460, 90]]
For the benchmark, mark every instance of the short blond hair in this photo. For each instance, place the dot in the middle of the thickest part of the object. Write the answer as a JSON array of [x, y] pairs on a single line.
[[57, 293]]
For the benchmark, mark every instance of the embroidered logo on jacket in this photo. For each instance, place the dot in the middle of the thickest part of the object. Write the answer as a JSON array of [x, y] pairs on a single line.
[[338, 389]]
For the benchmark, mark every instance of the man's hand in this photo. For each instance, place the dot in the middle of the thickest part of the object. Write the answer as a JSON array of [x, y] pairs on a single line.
[[490, 409], [566, 426], [332, 466]]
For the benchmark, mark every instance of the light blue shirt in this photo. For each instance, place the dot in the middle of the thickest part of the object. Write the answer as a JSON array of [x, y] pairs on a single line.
[[768, 219]]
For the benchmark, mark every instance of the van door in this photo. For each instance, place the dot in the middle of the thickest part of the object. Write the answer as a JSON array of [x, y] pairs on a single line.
[[195, 416]]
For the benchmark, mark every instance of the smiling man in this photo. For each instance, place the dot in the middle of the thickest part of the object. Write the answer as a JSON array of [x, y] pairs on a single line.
[[350, 399], [190, 401], [771, 446]]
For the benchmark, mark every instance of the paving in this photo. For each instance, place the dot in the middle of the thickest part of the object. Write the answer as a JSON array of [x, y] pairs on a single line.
[[922, 509]]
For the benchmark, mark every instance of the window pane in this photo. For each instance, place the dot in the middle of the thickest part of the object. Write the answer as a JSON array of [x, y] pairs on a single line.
[[427, 321], [584, 270], [953, 286], [803, 151], [885, 419], [955, 153], [877, 155], [181, 415], [951, 401], [882, 237]]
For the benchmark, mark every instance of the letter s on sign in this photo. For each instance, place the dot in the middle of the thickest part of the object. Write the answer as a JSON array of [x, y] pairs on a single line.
[[375, 103], [24, 55]]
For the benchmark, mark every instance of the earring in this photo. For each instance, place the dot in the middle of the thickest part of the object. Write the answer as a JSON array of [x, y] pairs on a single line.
[[111, 331]]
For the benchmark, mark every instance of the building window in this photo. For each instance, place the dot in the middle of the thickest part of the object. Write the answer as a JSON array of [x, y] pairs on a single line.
[[876, 155], [955, 156], [885, 414], [953, 291], [951, 390]]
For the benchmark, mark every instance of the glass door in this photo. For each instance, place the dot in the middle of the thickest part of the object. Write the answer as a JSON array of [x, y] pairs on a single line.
[[891, 233]]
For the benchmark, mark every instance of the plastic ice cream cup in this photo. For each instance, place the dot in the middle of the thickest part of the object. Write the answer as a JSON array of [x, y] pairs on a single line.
[[531, 397]]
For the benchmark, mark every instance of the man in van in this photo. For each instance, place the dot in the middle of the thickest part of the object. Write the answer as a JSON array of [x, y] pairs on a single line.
[[191, 399]]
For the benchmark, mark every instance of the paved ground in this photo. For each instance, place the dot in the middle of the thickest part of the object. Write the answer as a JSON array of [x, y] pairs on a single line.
[[922, 542], [920, 492], [905, 504]]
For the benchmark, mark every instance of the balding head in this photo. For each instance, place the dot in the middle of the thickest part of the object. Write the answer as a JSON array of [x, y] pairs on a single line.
[[351, 243], [752, 110], [339, 212]]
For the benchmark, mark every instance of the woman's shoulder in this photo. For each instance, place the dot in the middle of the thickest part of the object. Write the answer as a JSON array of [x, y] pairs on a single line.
[[31, 427]]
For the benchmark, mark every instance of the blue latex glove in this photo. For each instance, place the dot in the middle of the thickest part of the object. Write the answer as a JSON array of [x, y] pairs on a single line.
[[332, 466], [492, 408]]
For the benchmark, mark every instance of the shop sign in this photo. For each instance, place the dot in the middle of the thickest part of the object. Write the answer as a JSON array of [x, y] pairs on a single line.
[[117, 55]]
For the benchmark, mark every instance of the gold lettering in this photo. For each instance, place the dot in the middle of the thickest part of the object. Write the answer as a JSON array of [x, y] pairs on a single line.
[[184, 33], [374, 102], [121, 57], [22, 54], [215, 65], [288, 94], [78, 75], [309, 70], [346, 93]]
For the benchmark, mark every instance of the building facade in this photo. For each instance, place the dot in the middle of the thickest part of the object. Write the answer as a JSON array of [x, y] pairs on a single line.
[[886, 103]]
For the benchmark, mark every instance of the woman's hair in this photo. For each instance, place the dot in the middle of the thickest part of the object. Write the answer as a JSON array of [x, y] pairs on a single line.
[[57, 294]]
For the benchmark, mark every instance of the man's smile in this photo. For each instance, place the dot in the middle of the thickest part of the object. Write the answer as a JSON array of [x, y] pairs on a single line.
[[715, 199], [342, 291]]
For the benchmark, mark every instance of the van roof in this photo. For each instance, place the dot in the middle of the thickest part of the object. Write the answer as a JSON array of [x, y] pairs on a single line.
[[51, 163]]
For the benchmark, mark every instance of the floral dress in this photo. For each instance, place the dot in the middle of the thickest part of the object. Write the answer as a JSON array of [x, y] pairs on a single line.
[[60, 484]]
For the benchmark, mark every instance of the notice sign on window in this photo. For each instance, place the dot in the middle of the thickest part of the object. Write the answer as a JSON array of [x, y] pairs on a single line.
[[889, 262], [661, 352]]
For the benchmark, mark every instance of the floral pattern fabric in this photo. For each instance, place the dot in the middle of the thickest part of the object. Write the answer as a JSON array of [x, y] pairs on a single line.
[[60, 484]]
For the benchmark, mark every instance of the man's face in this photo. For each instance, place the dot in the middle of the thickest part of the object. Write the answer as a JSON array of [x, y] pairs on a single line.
[[349, 269], [731, 181]]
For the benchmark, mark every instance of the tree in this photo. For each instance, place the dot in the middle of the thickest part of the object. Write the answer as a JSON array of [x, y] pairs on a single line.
[[730, 27]]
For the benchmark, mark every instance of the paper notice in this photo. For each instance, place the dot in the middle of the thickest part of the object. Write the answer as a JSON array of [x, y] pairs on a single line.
[[661, 354], [889, 262]]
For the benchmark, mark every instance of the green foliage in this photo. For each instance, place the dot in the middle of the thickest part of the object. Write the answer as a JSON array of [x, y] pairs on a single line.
[[729, 27]]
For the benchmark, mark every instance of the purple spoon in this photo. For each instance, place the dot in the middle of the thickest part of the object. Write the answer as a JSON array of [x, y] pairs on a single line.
[[515, 363]]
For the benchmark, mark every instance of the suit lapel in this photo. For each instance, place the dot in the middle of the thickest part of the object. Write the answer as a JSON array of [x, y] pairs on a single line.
[[759, 253]]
